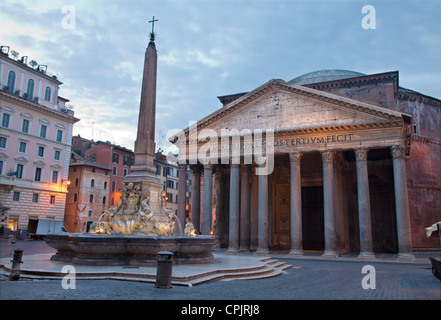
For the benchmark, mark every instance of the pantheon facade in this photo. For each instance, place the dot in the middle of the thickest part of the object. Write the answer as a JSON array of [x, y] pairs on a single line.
[[353, 164]]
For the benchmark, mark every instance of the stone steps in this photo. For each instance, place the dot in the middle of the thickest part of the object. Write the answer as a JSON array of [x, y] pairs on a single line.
[[265, 268]]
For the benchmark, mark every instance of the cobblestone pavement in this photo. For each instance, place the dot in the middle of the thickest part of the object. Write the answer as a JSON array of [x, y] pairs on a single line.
[[308, 279]]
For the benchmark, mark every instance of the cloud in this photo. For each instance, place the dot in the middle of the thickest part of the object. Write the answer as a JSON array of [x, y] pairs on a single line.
[[212, 48]]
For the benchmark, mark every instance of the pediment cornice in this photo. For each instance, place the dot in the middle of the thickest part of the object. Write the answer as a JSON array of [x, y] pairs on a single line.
[[386, 117]]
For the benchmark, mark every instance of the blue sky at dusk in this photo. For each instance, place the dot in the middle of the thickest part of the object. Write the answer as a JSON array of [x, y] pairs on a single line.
[[212, 48]]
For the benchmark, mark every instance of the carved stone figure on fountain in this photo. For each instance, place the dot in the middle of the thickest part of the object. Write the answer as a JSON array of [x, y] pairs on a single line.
[[133, 216]]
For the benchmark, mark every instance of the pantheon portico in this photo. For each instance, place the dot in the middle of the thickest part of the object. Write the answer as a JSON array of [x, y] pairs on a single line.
[[335, 176]]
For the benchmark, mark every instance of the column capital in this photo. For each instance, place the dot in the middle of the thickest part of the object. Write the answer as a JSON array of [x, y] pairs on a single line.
[[263, 164], [208, 166], [361, 154], [295, 157], [397, 152], [328, 156], [338, 159]]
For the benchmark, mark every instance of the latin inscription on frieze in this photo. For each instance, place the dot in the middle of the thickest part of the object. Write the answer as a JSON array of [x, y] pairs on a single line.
[[312, 140]]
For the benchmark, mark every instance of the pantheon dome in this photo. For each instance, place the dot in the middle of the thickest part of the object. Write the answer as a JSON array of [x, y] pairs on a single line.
[[325, 75]]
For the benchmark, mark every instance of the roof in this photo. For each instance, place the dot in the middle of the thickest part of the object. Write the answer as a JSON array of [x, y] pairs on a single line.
[[325, 75], [390, 115], [88, 163]]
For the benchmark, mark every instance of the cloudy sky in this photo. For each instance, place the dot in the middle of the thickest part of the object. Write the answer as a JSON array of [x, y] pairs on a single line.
[[209, 48]]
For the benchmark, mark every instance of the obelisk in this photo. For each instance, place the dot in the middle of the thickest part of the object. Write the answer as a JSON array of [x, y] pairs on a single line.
[[143, 170]]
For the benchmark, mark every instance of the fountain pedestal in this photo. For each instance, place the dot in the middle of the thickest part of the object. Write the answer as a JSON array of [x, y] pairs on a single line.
[[117, 250]]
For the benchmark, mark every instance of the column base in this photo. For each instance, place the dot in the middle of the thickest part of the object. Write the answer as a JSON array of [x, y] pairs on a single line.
[[232, 250], [406, 256], [330, 254], [296, 253], [261, 251], [366, 255]]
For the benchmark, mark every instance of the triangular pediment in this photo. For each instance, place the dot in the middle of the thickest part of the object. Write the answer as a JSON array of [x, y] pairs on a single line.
[[280, 105], [39, 163]]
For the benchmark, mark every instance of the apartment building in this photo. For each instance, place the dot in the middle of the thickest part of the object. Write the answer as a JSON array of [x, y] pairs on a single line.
[[88, 194], [35, 142]]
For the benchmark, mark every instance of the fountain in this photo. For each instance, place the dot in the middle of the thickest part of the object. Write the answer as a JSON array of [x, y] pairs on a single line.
[[132, 234], [140, 225]]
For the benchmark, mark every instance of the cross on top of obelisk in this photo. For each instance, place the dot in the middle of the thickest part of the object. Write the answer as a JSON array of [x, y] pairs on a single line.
[[152, 34]]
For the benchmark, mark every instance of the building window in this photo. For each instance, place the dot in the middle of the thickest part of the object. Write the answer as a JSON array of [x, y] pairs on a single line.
[[12, 223], [11, 81], [1, 167], [90, 213], [114, 171], [113, 186], [76, 182], [16, 196], [105, 185], [43, 131], [25, 126], [57, 154], [115, 157], [47, 94], [3, 142], [104, 200], [75, 197], [19, 171], [92, 183], [5, 120], [59, 135], [35, 198], [91, 198], [158, 169], [30, 90], [22, 147], [40, 151], [52, 201], [54, 176], [37, 176], [124, 172]]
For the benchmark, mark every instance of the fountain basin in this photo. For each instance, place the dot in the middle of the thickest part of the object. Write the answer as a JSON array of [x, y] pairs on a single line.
[[116, 250]]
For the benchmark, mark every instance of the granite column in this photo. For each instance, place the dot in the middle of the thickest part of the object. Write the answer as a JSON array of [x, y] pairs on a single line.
[[364, 205], [296, 204], [402, 204]]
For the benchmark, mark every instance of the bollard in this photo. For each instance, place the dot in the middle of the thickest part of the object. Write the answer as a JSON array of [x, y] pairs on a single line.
[[164, 270], [15, 270]]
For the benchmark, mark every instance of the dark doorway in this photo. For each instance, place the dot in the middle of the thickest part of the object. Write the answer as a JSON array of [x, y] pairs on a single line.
[[282, 227], [32, 226], [384, 231], [312, 218]]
